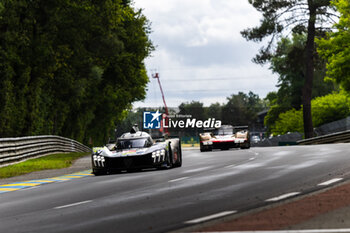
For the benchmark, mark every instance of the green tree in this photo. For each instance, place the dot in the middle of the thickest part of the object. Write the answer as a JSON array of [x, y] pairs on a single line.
[[132, 117], [288, 62], [242, 109], [194, 108], [335, 47], [281, 16], [70, 68], [214, 111]]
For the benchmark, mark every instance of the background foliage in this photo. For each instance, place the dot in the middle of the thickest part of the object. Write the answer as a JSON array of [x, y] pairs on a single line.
[[325, 109], [335, 47], [288, 63], [70, 68]]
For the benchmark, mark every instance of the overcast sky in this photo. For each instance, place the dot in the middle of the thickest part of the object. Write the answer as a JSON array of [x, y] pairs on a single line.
[[200, 54]]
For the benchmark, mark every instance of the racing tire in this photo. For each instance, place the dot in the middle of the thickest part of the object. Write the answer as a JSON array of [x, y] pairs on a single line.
[[170, 161], [99, 173], [245, 147], [203, 149], [178, 163]]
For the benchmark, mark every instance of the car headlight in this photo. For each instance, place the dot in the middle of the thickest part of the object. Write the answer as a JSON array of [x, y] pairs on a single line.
[[99, 160], [158, 156]]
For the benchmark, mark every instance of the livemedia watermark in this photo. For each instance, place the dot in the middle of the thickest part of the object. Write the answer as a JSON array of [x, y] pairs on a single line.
[[155, 120]]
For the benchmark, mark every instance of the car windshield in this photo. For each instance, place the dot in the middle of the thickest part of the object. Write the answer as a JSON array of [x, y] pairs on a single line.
[[132, 143], [224, 131]]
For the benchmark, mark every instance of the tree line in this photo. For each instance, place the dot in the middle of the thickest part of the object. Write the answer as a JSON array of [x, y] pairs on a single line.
[[311, 58], [73, 68], [70, 68], [240, 109]]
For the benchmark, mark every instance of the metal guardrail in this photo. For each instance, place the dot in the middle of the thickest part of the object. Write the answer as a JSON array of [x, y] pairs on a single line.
[[286, 139], [339, 137], [17, 149]]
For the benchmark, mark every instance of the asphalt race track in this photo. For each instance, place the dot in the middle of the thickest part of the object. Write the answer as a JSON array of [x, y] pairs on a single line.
[[209, 185]]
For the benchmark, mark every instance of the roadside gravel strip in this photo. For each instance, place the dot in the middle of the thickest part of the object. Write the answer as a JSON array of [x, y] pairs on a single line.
[[323, 211]]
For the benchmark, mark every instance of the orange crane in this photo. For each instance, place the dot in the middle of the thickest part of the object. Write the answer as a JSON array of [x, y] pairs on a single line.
[[156, 76]]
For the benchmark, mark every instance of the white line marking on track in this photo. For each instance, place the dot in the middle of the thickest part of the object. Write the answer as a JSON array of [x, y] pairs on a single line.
[[251, 159], [298, 231], [213, 216], [284, 196], [198, 169], [330, 182], [229, 166], [73, 204], [178, 179]]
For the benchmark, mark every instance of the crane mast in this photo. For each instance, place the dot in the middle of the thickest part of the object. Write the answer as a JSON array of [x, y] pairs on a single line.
[[156, 76]]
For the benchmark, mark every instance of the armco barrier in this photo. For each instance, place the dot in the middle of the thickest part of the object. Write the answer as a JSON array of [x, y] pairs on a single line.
[[338, 137], [286, 139], [17, 149]]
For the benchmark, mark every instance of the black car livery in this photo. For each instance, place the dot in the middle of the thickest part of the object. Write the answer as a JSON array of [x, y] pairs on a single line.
[[136, 150]]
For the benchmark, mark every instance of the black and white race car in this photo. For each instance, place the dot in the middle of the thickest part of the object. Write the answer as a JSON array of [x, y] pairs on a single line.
[[134, 151]]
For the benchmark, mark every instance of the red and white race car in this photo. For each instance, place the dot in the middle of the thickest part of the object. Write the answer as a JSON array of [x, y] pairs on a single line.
[[224, 138]]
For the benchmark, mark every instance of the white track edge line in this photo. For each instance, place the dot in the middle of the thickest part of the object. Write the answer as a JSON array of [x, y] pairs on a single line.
[[210, 217], [284, 196], [296, 231], [330, 182], [178, 179], [73, 204]]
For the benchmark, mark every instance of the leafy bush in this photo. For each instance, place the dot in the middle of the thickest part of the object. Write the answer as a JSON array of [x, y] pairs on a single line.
[[290, 121], [330, 108], [325, 109]]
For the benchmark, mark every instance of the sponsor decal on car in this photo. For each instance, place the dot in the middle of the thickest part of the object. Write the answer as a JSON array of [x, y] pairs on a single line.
[[128, 152], [141, 151]]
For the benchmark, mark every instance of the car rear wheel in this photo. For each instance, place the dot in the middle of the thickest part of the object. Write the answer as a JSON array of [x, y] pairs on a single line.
[[203, 148], [170, 161], [245, 146], [178, 163]]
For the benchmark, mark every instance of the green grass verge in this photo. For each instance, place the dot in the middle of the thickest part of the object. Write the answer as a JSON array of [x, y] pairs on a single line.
[[190, 145], [55, 161]]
